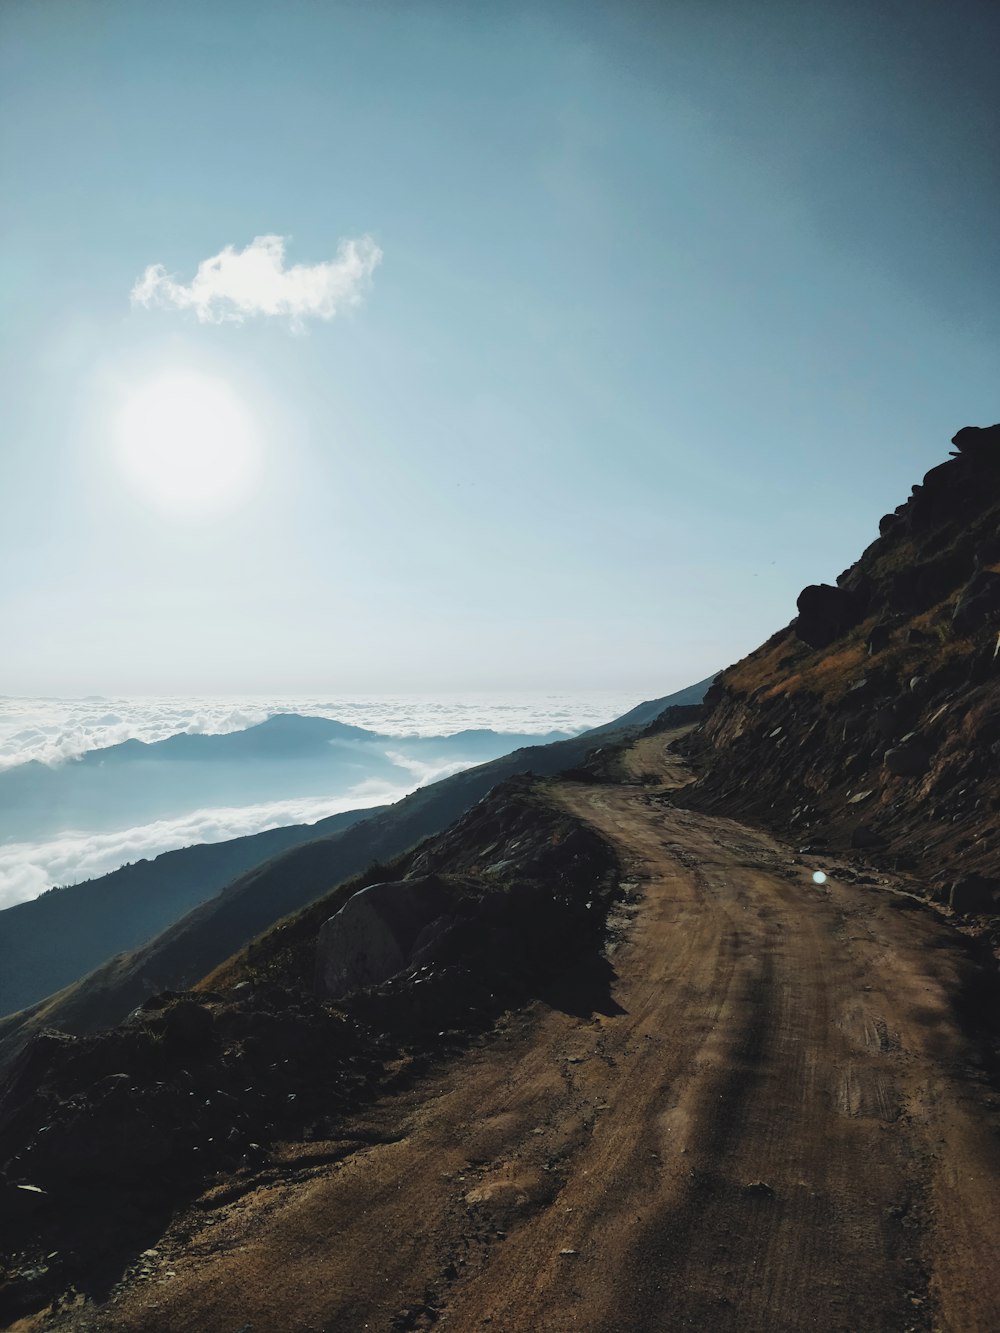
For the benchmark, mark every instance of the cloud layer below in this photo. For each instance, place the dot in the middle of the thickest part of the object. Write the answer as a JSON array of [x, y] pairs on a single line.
[[235, 285], [55, 730], [29, 868]]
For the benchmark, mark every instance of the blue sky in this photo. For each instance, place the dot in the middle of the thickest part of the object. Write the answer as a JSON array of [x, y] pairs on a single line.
[[674, 302]]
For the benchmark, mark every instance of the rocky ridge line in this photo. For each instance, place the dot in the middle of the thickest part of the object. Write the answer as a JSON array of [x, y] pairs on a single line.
[[872, 722]]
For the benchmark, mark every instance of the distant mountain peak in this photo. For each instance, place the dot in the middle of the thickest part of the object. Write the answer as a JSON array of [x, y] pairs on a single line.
[[295, 724]]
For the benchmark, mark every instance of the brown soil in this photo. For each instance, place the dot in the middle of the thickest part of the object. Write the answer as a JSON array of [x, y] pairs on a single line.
[[771, 1119]]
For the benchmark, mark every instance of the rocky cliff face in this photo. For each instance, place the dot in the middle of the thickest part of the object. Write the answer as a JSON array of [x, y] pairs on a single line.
[[873, 720]]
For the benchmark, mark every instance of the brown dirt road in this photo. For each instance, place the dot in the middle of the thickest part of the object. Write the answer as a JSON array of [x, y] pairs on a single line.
[[769, 1120]]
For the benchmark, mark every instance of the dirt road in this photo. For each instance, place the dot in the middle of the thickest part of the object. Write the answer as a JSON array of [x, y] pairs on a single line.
[[770, 1119]]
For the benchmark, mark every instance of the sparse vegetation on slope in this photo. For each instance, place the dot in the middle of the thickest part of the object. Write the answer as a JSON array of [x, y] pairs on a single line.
[[873, 720]]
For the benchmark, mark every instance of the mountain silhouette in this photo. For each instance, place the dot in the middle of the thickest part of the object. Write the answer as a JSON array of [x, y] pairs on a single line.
[[223, 921], [288, 757]]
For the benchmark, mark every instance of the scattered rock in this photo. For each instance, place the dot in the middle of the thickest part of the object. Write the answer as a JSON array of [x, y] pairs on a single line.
[[18, 1204], [861, 693], [910, 759], [887, 722], [187, 1024]]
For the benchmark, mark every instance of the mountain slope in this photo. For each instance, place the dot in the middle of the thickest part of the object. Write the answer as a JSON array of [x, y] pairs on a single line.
[[711, 1108], [873, 720], [288, 756], [213, 931], [53, 940], [645, 713]]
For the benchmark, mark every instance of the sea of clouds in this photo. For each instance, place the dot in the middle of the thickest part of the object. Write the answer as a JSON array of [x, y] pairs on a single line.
[[29, 868], [55, 731]]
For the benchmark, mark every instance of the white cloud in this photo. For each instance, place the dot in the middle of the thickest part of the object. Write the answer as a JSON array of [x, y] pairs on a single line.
[[236, 284], [57, 730], [424, 774], [29, 868], [54, 731]]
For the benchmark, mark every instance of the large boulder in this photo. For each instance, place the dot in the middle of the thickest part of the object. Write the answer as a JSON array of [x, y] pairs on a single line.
[[978, 441], [887, 523], [373, 936], [825, 613], [879, 638], [978, 603]]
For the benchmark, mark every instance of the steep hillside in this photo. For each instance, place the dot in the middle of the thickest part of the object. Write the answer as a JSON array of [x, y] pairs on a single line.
[[128, 1124], [645, 713], [207, 935], [873, 720], [53, 940]]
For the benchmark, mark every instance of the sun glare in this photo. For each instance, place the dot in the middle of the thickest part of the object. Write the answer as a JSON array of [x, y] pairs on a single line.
[[187, 442]]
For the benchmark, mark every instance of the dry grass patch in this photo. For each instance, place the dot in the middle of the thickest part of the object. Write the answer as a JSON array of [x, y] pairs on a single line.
[[788, 667]]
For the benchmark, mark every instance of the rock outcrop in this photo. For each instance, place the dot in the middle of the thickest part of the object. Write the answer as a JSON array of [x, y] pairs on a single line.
[[825, 613], [873, 721], [376, 933]]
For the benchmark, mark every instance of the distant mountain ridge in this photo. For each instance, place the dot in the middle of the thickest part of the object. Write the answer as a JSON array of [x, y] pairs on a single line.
[[287, 756], [224, 923], [280, 734], [49, 941], [642, 714]]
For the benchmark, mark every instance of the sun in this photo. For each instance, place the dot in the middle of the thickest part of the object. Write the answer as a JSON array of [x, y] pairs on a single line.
[[187, 442]]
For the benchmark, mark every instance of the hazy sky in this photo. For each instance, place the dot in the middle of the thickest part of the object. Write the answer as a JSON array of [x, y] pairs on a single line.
[[634, 320]]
